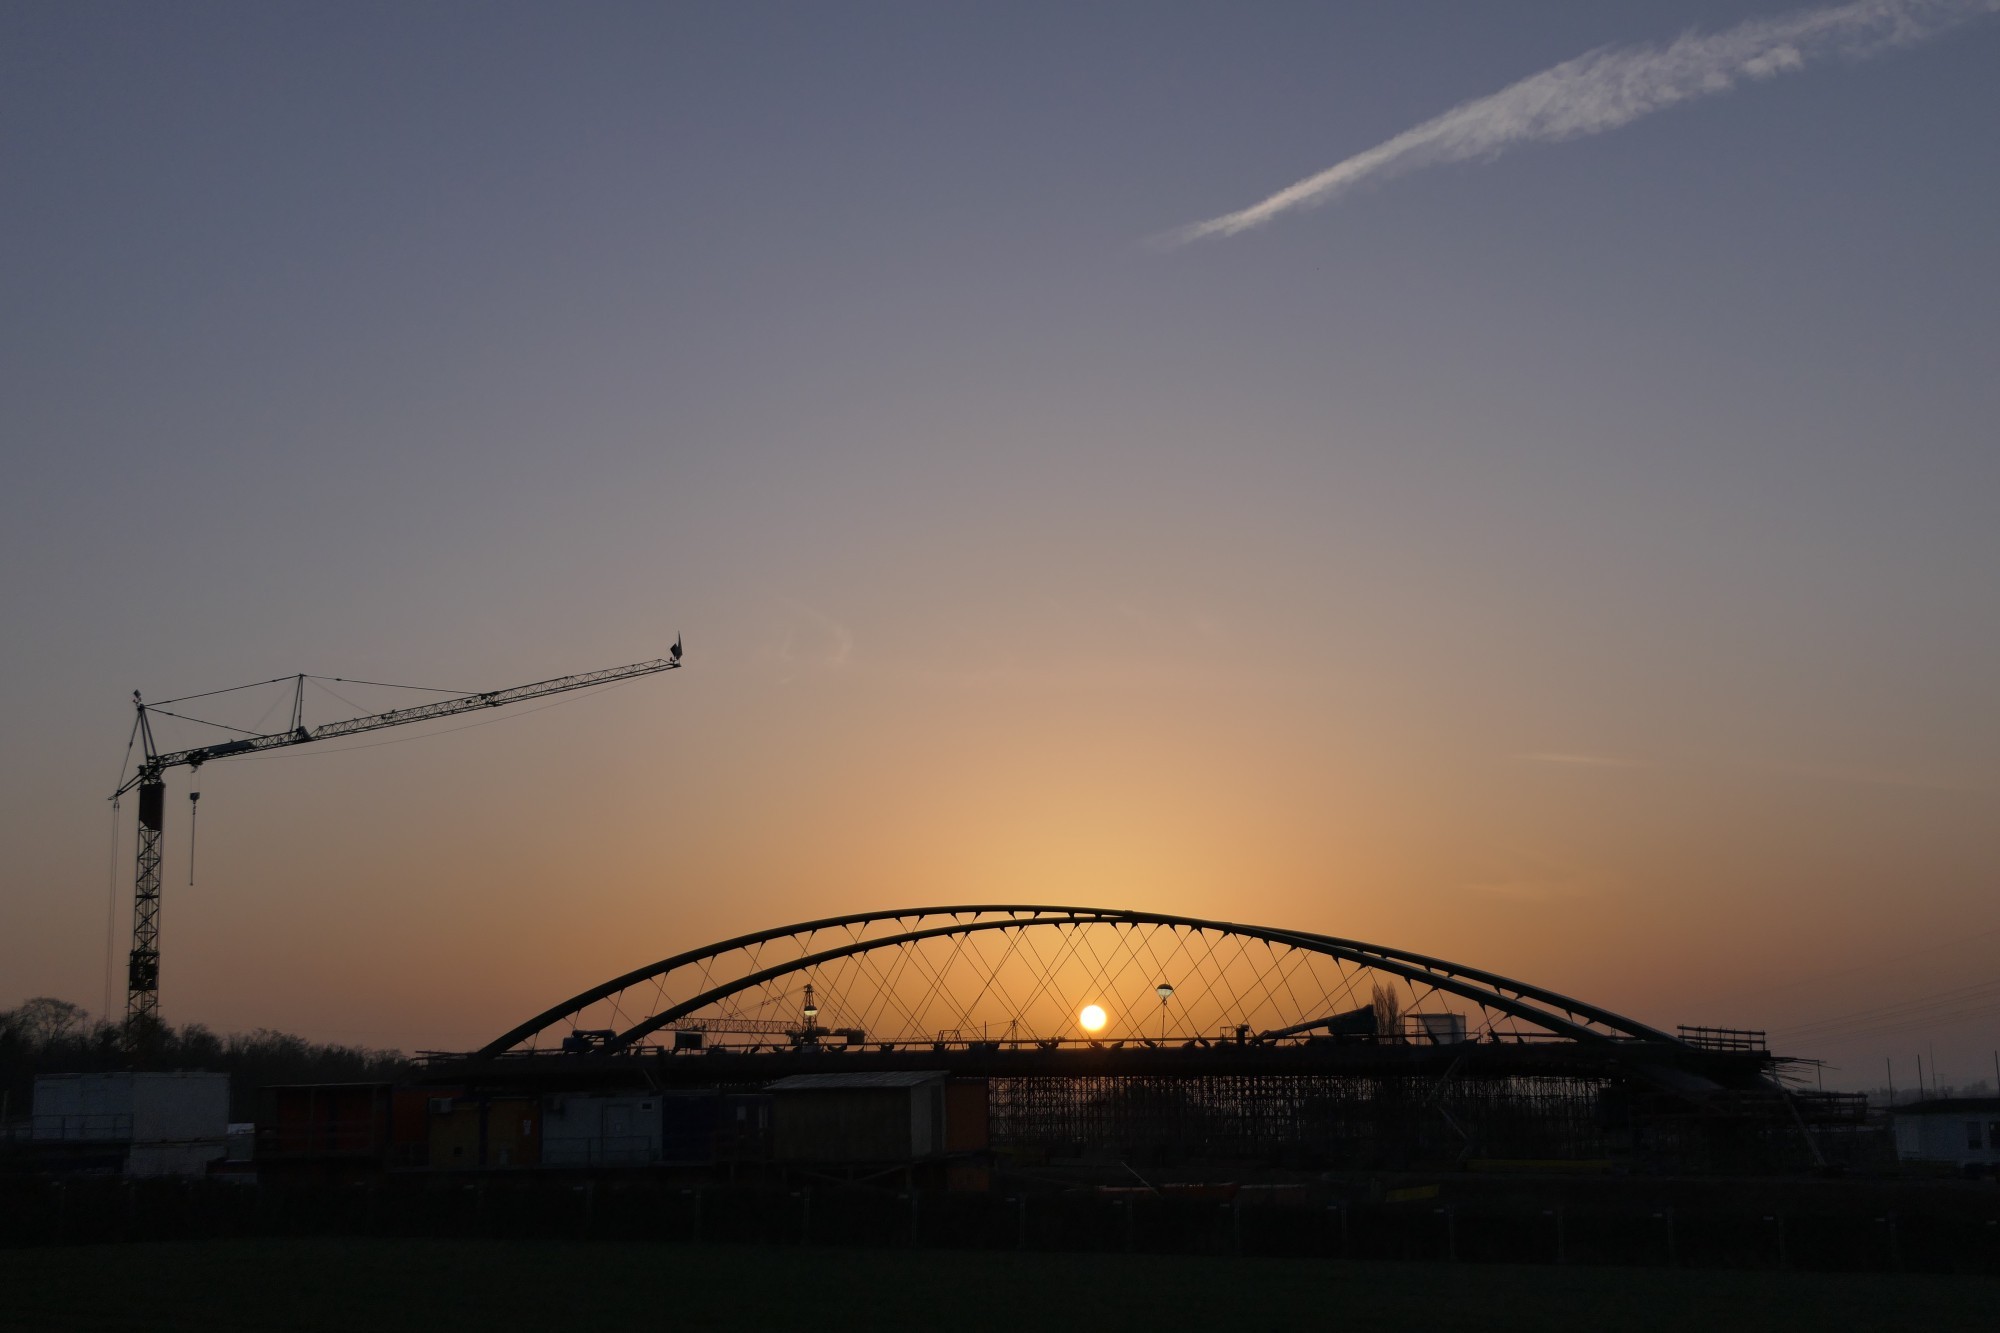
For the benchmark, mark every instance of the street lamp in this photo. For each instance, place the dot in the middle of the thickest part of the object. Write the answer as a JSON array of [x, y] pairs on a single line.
[[1165, 992]]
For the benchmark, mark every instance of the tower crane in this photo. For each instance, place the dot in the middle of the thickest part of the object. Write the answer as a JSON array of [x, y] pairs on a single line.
[[142, 994]]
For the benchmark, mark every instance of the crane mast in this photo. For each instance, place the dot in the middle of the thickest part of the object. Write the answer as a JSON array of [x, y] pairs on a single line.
[[142, 994]]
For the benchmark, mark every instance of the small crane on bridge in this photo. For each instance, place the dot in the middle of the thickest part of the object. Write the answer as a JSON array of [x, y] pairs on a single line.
[[142, 994]]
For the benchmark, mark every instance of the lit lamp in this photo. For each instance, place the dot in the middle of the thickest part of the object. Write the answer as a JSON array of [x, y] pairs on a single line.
[[812, 1006], [1165, 992]]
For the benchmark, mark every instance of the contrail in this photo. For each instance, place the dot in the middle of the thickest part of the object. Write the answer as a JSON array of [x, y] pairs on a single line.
[[1613, 86]]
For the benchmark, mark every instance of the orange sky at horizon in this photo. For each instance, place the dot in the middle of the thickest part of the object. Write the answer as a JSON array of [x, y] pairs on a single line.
[[1577, 564], [427, 894]]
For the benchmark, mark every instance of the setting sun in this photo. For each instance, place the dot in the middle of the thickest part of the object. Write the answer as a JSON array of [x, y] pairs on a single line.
[[1091, 1018]]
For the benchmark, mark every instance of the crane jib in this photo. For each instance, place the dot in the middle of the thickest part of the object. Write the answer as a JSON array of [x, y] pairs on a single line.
[[142, 999], [194, 758]]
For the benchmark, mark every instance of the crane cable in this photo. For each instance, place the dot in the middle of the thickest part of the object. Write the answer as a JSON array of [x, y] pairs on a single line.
[[586, 692], [328, 689], [111, 903], [111, 912], [257, 684], [194, 798], [210, 694], [349, 680]]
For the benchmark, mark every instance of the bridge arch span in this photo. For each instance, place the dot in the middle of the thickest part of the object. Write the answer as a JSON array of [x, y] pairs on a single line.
[[1022, 973]]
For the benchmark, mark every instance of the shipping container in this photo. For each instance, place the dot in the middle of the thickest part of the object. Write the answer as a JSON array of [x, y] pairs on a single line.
[[689, 1122], [886, 1117], [165, 1124], [1439, 1029], [601, 1130], [965, 1115], [484, 1132], [323, 1121], [1962, 1130], [513, 1131], [456, 1130], [743, 1127], [410, 1125]]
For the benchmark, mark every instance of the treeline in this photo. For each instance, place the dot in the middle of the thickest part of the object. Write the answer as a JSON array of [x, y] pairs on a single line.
[[48, 1036]]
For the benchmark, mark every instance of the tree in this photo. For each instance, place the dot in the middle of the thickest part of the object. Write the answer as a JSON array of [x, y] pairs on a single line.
[[1388, 1013], [46, 1021], [49, 1036]]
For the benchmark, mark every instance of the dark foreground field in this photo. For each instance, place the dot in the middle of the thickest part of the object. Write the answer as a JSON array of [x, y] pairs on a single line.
[[433, 1285]]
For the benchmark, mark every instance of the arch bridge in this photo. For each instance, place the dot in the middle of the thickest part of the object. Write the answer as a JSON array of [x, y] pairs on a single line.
[[1107, 1030], [1057, 980]]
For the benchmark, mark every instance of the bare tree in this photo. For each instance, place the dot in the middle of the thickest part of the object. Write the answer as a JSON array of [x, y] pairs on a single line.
[[43, 1022], [1388, 1012]]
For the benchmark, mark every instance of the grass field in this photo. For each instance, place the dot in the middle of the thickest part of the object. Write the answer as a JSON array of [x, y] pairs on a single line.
[[440, 1285]]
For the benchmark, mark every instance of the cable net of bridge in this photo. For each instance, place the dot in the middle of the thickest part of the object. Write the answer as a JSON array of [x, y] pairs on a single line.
[[1019, 976]]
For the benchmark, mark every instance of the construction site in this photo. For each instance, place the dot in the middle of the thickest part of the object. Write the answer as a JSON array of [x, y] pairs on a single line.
[[1125, 1037], [1004, 1073]]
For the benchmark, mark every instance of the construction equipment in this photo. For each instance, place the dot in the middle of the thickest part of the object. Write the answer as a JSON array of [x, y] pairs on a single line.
[[142, 995]]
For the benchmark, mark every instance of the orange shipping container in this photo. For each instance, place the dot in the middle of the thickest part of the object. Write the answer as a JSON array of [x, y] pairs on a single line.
[[497, 1132], [513, 1132], [965, 1117]]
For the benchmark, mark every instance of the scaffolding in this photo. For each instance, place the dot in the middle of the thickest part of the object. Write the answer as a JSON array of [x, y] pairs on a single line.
[[1335, 1118]]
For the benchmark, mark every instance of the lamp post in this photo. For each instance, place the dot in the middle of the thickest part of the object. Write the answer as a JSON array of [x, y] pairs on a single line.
[[1165, 992]]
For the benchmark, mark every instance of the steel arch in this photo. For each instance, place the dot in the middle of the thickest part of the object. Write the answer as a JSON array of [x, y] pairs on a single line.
[[1552, 1011]]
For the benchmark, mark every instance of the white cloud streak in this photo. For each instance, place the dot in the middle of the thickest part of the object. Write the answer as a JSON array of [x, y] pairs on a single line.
[[1613, 86]]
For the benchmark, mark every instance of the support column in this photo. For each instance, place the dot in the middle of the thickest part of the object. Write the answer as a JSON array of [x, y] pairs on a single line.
[[142, 973]]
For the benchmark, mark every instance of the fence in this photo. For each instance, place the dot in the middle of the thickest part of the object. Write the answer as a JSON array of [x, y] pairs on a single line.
[[1954, 1230]]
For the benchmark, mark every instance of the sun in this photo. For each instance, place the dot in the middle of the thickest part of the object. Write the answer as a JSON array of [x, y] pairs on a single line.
[[1091, 1018]]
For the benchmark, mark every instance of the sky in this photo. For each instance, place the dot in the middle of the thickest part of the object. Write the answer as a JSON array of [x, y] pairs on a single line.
[[1560, 541]]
